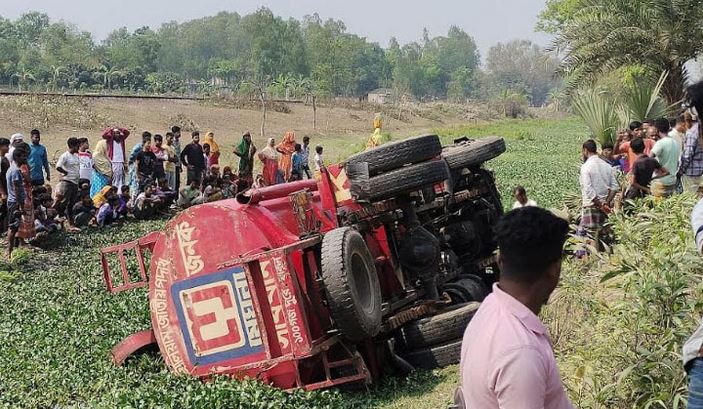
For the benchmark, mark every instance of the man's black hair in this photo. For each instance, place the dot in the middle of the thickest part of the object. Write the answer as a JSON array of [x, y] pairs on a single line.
[[169, 133], [694, 93], [194, 134], [73, 142], [306, 138], [607, 145], [175, 129], [318, 149], [206, 144], [662, 125], [158, 137], [124, 187], [22, 149], [82, 140], [298, 147], [590, 146], [635, 125], [4, 142], [520, 190], [34, 132], [530, 239], [146, 136], [637, 145]]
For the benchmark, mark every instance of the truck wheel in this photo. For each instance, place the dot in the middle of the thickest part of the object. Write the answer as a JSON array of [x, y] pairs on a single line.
[[437, 329], [473, 153], [396, 154], [471, 285], [437, 356], [406, 179], [351, 284]]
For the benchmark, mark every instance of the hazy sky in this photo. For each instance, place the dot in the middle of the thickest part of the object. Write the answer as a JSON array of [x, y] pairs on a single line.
[[488, 21]]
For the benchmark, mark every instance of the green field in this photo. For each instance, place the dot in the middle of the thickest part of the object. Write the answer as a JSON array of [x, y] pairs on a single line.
[[57, 323]]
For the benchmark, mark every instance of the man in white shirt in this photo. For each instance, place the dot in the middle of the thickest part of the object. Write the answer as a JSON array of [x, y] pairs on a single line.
[[598, 188], [678, 132], [68, 165]]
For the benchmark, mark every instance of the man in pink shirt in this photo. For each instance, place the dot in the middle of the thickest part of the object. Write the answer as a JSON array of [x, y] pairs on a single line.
[[507, 360]]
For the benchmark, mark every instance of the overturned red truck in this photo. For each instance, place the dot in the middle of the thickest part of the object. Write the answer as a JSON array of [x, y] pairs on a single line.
[[313, 284]]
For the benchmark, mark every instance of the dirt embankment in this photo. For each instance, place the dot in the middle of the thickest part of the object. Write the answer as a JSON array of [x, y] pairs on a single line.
[[340, 128]]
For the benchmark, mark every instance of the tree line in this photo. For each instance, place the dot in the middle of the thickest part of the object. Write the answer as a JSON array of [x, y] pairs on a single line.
[[262, 52]]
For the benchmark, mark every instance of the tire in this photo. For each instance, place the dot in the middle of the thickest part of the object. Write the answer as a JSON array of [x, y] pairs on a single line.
[[473, 285], [406, 179], [437, 356], [396, 154], [351, 284], [437, 329], [473, 153]]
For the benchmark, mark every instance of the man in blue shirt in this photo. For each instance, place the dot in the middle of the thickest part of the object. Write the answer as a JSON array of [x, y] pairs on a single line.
[[38, 160]]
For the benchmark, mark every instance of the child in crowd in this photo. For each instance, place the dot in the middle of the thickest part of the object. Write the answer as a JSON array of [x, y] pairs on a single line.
[[166, 195], [319, 161], [108, 212], [145, 162], [147, 204], [190, 195], [86, 161], [101, 197], [229, 189], [84, 212], [45, 222], [297, 164], [211, 190], [521, 199], [125, 205], [208, 157], [227, 171]]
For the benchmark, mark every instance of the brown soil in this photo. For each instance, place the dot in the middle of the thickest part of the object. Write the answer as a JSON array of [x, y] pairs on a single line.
[[341, 130]]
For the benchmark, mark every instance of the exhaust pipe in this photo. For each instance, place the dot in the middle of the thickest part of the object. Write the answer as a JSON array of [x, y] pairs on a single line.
[[254, 196]]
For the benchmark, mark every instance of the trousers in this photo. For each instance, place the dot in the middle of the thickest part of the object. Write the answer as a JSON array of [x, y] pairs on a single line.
[[695, 384]]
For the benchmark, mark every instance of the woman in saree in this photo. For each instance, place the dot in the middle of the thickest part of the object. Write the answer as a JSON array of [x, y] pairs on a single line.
[[245, 151], [214, 158], [102, 168], [286, 149], [269, 157]]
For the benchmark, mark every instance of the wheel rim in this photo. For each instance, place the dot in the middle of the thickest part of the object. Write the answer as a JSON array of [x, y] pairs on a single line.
[[362, 283]]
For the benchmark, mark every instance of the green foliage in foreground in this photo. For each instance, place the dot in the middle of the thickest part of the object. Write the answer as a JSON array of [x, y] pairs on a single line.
[[619, 320]]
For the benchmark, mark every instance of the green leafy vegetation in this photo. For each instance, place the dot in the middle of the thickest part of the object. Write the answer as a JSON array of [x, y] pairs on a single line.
[[602, 36]]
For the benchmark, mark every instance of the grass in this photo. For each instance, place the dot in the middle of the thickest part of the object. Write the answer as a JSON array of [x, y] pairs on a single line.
[[58, 324]]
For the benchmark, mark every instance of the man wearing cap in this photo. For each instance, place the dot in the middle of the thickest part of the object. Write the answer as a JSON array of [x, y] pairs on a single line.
[[117, 153], [15, 140]]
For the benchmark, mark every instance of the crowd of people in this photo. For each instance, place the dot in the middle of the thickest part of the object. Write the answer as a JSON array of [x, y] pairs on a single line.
[[99, 187]]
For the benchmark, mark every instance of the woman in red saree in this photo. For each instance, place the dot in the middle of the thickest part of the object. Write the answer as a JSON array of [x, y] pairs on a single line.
[[286, 149], [269, 157]]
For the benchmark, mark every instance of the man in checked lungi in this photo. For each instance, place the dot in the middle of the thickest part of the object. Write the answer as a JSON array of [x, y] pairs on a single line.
[[598, 188]]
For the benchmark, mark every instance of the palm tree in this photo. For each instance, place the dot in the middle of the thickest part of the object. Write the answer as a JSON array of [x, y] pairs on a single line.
[[56, 71], [598, 112], [24, 76], [605, 35], [107, 75]]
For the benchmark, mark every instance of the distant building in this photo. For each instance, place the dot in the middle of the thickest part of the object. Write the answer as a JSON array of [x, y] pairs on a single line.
[[381, 96]]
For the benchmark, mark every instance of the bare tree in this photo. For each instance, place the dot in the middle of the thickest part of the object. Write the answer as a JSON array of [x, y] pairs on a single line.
[[260, 85]]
